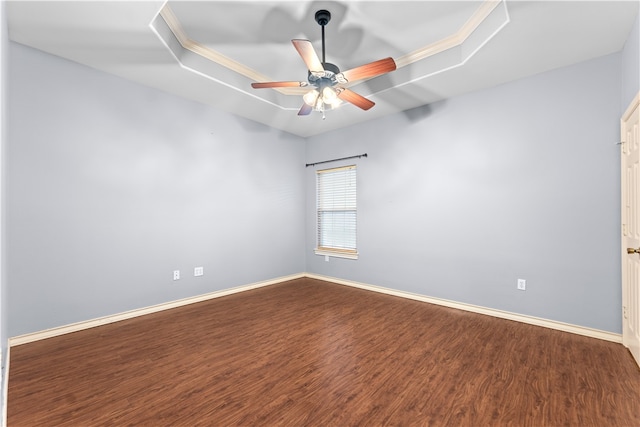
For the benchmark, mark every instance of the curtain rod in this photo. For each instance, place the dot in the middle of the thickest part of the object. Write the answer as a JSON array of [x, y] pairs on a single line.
[[335, 160]]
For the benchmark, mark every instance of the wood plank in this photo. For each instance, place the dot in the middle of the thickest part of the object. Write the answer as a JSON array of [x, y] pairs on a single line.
[[312, 353]]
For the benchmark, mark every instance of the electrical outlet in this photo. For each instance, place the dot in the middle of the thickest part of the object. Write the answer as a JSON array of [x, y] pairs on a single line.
[[522, 284], [198, 271], [176, 274]]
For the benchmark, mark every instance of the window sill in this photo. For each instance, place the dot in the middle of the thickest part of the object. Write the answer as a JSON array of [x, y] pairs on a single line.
[[337, 254]]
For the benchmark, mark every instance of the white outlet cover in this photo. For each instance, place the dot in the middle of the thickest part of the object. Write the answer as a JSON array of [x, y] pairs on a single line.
[[522, 284], [176, 274], [198, 271]]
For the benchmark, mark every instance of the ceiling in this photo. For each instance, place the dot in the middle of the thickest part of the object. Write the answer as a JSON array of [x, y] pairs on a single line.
[[211, 51]]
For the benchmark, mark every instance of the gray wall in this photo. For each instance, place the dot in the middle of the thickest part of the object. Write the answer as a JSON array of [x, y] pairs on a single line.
[[631, 66], [112, 185], [459, 199]]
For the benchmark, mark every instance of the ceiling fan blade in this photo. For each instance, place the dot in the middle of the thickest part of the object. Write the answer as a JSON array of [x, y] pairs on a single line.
[[369, 70], [355, 99], [305, 110], [308, 54], [264, 85]]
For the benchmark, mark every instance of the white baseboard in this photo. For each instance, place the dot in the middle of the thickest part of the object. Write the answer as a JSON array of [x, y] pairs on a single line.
[[74, 327], [79, 326], [531, 320]]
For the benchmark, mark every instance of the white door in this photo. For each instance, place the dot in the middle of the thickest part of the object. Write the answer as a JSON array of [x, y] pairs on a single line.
[[630, 130]]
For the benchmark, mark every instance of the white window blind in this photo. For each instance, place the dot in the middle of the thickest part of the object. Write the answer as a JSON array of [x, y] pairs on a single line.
[[336, 203]]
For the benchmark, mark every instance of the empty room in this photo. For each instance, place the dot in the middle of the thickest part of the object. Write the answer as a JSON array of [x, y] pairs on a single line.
[[320, 213]]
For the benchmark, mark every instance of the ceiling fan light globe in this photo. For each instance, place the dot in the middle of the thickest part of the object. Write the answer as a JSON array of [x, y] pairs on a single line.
[[310, 97], [336, 103], [329, 95]]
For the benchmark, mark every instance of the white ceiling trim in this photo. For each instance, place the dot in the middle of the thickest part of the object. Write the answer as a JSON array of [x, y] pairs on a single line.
[[169, 18], [461, 39], [186, 42], [455, 40]]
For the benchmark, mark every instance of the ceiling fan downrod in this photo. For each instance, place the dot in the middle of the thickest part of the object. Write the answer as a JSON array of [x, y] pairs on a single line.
[[322, 18]]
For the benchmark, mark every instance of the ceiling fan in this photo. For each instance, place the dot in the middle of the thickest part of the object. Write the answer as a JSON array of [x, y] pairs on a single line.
[[326, 78]]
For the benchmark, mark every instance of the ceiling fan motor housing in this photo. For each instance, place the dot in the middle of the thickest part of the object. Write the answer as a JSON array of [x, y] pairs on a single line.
[[329, 77], [317, 77]]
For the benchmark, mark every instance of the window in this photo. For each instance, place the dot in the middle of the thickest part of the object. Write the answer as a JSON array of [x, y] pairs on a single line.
[[336, 210]]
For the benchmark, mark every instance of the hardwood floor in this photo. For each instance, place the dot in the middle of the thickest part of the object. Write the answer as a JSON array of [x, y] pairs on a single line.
[[310, 353]]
